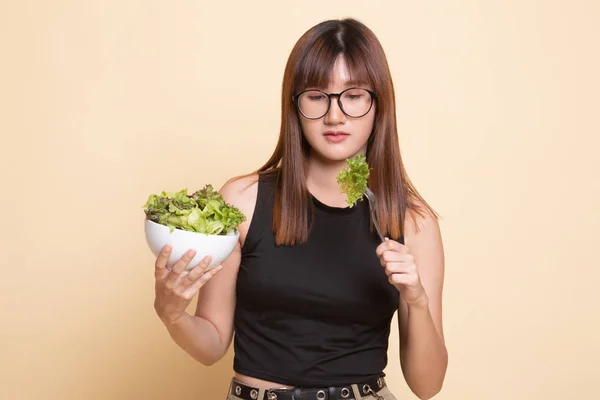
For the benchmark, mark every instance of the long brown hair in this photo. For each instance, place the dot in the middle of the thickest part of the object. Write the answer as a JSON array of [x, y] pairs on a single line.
[[309, 65]]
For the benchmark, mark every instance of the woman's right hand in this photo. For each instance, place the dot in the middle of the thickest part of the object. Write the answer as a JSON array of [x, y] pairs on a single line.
[[174, 290]]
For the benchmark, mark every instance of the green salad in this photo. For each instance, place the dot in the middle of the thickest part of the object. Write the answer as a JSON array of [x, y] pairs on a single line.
[[353, 179], [204, 211]]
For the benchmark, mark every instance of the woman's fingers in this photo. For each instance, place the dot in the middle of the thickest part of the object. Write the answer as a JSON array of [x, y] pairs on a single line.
[[194, 287], [392, 245], [178, 268], [396, 268], [196, 272], [394, 256], [160, 266]]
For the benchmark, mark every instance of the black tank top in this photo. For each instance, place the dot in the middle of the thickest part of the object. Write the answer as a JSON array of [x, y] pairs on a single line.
[[317, 313]]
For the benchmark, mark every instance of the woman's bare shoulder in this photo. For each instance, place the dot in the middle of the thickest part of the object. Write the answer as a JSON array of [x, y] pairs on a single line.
[[241, 192], [419, 217]]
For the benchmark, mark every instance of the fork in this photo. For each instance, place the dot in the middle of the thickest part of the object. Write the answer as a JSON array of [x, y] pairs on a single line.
[[372, 206]]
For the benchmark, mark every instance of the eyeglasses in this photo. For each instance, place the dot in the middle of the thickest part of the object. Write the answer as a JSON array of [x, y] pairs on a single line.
[[354, 102]]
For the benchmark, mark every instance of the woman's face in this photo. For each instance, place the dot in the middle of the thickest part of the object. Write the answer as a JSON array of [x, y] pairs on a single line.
[[353, 133]]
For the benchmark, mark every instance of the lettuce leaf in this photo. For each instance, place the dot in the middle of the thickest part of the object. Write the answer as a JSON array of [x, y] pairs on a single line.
[[353, 179], [204, 211]]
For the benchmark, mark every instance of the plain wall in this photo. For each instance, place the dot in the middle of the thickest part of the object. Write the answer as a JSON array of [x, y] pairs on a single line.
[[103, 103]]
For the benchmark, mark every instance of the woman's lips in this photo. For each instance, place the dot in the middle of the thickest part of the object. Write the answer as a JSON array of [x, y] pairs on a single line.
[[336, 136]]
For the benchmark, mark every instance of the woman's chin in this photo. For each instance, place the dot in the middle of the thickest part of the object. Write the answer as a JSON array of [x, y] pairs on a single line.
[[335, 154]]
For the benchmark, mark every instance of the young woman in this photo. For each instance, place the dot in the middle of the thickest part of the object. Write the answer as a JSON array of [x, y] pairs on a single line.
[[310, 289]]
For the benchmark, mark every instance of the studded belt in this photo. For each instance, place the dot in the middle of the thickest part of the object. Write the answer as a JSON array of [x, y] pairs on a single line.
[[344, 392]]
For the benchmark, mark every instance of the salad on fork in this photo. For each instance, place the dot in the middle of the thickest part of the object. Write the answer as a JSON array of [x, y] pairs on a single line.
[[353, 182]]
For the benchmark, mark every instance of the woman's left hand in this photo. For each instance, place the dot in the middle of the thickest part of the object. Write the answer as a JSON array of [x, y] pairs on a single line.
[[402, 271]]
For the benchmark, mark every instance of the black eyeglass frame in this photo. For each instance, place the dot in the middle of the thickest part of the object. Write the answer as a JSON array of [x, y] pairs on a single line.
[[339, 100]]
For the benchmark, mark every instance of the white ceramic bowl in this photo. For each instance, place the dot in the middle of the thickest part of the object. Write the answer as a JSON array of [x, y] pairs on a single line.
[[219, 247]]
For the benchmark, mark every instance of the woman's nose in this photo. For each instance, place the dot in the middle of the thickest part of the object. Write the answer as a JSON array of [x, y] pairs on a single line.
[[335, 115]]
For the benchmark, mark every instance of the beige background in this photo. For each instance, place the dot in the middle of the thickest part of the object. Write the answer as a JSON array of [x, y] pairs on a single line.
[[103, 103]]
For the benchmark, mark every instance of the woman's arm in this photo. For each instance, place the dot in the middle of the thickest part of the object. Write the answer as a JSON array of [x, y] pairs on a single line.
[[423, 354], [207, 335]]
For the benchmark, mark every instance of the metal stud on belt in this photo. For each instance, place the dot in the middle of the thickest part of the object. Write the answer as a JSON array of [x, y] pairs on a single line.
[[345, 393], [271, 395], [367, 389]]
